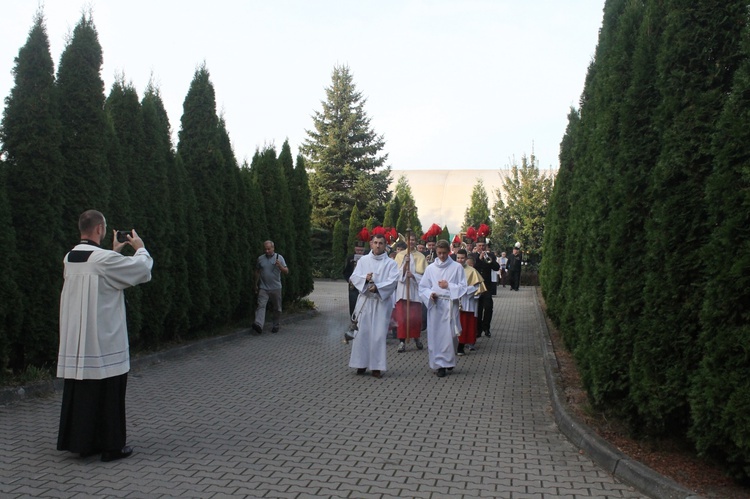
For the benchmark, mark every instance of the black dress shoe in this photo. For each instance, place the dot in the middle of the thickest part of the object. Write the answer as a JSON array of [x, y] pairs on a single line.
[[257, 328], [117, 454], [488, 334], [441, 372], [376, 374], [361, 370]]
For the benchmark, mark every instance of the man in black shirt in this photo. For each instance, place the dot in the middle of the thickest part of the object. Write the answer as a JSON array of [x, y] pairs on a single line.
[[485, 262]]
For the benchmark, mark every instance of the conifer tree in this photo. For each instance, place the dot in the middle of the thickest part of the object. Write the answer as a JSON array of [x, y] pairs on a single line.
[[720, 390], [30, 135], [85, 139], [555, 244], [344, 156], [125, 146], [405, 208], [674, 280], [12, 344], [152, 218], [338, 249], [200, 149], [638, 141], [478, 211], [302, 229], [286, 167], [355, 225]]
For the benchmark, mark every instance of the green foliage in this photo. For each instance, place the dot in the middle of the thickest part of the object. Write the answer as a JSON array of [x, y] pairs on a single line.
[[646, 260], [86, 180], [478, 211], [445, 234], [300, 193], [355, 225], [30, 135], [344, 156], [405, 209], [338, 248], [720, 394], [527, 193], [64, 149]]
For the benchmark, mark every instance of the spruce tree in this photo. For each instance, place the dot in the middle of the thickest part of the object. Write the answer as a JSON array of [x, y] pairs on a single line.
[[86, 181], [344, 156], [30, 135]]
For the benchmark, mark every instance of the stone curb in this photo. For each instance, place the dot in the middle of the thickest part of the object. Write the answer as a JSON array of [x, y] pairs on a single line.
[[604, 454], [12, 394]]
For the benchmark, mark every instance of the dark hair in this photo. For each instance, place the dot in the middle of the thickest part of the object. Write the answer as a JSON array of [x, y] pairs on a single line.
[[377, 236], [400, 245], [443, 244], [88, 220], [461, 252]]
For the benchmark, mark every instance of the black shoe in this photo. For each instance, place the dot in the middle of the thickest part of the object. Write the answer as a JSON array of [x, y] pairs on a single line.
[[450, 370], [487, 333], [441, 372], [275, 329], [376, 374], [117, 454], [257, 328], [361, 370]]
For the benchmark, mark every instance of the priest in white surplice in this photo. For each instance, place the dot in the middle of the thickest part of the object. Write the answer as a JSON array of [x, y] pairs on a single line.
[[375, 277], [94, 356], [441, 287]]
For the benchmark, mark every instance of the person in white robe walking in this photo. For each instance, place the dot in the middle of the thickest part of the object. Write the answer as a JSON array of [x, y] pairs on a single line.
[[441, 287], [94, 357], [375, 277]]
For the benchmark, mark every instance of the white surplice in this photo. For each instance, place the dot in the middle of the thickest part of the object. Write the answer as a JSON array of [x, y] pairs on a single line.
[[443, 323], [373, 310], [93, 328]]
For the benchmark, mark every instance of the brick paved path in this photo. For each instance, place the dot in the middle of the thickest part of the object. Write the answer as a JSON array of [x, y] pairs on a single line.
[[281, 415]]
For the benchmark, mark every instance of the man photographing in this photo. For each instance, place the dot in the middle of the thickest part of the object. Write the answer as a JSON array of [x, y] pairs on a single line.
[[94, 356]]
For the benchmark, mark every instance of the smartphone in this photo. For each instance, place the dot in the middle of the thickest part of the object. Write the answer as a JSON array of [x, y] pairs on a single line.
[[122, 236]]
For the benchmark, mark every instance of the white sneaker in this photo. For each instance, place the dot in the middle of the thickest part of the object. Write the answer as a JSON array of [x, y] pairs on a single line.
[[401, 347]]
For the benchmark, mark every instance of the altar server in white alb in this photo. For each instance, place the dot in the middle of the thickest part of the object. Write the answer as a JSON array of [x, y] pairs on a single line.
[[94, 355], [441, 287], [375, 277]]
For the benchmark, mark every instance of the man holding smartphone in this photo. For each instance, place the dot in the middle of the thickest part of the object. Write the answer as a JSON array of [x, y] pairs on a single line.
[[94, 357]]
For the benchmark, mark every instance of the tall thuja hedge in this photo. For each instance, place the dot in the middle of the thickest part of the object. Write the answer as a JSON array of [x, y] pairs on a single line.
[[123, 110], [699, 54], [86, 181], [152, 218], [638, 147], [300, 191], [235, 249], [555, 246], [720, 393], [30, 135], [603, 357], [10, 297], [200, 151], [286, 165]]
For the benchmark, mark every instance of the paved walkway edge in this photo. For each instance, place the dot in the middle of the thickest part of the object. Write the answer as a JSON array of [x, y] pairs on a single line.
[[600, 451], [12, 394]]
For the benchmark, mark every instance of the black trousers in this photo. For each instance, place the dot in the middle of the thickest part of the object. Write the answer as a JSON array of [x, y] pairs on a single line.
[[484, 312], [515, 279], [92, 418]]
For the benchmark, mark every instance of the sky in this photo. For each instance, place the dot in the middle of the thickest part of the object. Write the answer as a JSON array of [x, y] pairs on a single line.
[[450, 84]]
